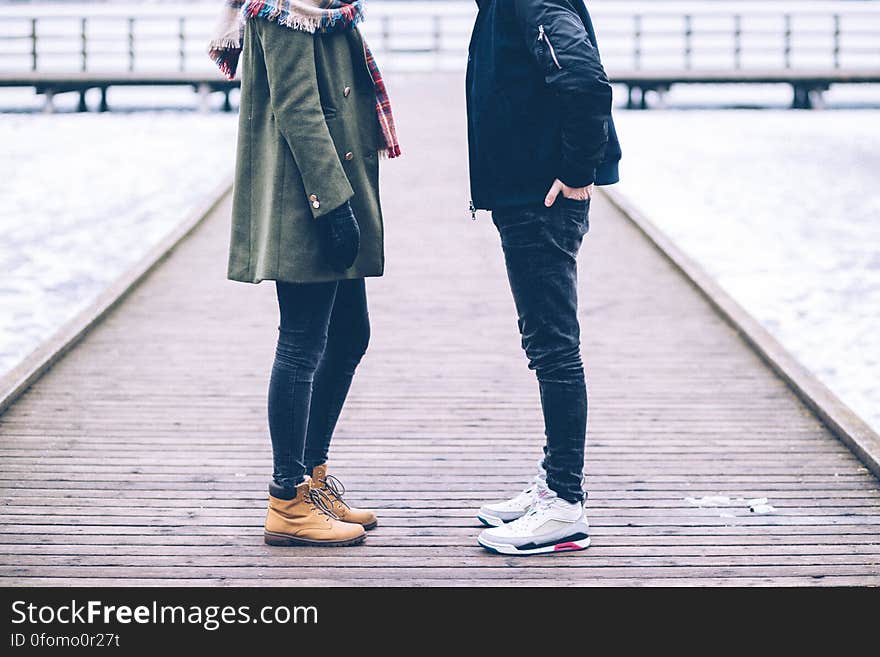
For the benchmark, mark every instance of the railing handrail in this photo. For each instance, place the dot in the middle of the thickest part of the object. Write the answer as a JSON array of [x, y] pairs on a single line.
[[853, 8], [427, 21]]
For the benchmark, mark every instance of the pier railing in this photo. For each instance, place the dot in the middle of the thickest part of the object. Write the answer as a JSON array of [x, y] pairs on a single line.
[[809, 47], [688, 36]]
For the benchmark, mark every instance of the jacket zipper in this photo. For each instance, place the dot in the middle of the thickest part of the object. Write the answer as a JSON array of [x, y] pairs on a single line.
[[473, 210], [542, 36]]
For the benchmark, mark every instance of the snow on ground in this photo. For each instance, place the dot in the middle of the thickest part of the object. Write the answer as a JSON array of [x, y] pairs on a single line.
[[783, 209], [84, 197]]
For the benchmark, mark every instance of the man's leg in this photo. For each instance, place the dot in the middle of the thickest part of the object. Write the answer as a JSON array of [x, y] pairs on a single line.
[[540, 248]]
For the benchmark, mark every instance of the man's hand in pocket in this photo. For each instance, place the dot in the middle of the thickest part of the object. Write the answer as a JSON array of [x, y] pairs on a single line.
[[574, 193]]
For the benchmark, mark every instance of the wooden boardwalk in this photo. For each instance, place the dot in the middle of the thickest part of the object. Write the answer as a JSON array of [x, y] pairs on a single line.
[[143, 456]]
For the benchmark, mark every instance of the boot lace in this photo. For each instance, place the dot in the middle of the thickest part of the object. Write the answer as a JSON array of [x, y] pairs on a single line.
[[335, 488], [322, 502]]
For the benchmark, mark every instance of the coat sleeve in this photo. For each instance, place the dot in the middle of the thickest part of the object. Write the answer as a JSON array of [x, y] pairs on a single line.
[[561, 46], [296, 105]]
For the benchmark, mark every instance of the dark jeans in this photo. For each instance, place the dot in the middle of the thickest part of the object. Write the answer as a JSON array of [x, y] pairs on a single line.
[[324, 333], [540, 248]]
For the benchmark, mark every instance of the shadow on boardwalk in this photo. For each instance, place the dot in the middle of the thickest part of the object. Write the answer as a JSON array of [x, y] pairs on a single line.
[[142, 457]]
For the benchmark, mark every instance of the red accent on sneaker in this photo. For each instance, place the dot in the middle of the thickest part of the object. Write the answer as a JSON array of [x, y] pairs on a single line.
[[566, 547]]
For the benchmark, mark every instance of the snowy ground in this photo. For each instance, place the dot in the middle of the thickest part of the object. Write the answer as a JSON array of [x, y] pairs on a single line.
[[783, 208], [84, 197]]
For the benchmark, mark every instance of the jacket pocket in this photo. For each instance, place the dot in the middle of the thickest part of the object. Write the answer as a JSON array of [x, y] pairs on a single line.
[[576, 216], [544, 43]]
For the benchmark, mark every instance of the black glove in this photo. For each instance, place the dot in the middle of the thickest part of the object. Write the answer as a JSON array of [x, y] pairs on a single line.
[[341, 236]]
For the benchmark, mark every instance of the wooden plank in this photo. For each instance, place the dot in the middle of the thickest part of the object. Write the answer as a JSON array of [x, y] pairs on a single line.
[[93, 505], [374, 549], [131, 574], [427, 581], [754, 543], [463, 533], [462, 560]]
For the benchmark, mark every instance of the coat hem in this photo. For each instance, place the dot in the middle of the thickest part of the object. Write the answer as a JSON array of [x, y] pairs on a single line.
[[256, 280]]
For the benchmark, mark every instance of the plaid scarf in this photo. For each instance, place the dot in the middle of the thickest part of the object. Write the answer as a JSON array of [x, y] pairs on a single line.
[[308, 16]]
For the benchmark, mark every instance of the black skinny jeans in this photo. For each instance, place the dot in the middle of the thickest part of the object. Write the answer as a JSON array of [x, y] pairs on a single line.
[[324, 333], [540, 249]]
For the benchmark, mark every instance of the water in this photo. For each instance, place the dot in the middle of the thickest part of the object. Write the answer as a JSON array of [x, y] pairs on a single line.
[[783, 209], [84, 198]]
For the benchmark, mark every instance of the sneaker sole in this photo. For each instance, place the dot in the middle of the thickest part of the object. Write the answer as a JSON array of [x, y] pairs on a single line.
[[553, 548], [285, 540]]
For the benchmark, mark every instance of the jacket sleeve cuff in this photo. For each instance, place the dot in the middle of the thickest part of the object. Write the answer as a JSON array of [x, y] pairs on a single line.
[[577, 178], [323, 201], [608, 173]]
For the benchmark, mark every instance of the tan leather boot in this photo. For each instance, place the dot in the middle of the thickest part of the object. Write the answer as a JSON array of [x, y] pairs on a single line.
[[304, 521], [334, 490]]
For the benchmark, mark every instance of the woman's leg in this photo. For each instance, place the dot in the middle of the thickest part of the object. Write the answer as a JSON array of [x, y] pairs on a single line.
[[305, 316], [348, 338]]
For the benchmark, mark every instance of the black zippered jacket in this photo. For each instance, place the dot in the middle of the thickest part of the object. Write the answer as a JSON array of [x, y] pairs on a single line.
[[539, 102]]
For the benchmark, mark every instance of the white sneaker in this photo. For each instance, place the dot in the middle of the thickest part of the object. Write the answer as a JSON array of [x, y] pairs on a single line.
[[550, 525], [496, 514]]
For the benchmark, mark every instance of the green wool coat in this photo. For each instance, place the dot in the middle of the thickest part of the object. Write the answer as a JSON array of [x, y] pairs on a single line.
[[308, 141]]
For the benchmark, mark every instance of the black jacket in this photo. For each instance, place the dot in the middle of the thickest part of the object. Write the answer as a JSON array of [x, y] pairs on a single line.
[[539, 102]]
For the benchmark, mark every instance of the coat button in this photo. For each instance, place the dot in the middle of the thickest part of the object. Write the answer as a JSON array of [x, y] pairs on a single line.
[[349, 156], [346, 92], [316, 205], [313, 198]]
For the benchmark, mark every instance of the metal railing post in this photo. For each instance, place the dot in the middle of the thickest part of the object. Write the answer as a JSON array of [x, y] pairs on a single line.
[[737, 42], [386, 33], [131, 43], [637, 41], [84, 50], [836, 40], [181, 33], [34, 44], [688, 36], [438, 34], [787, 41]]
